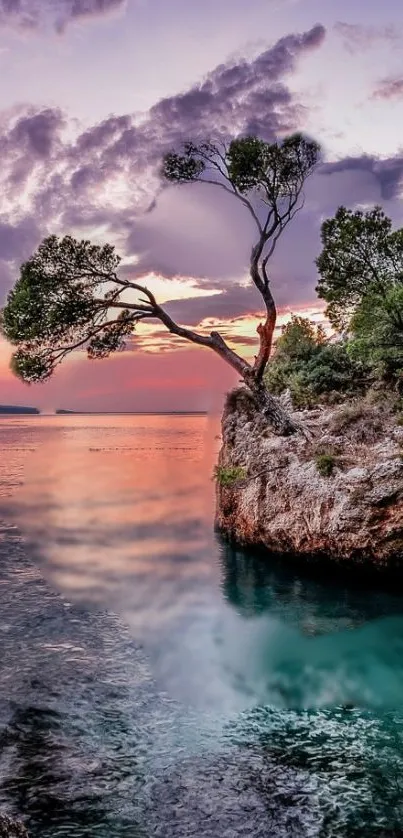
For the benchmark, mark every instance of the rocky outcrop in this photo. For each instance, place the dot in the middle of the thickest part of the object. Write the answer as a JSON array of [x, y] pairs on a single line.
[[334, 491], [11, 829]]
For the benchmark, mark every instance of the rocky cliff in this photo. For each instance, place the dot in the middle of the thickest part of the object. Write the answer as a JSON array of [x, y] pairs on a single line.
[[332, 492], [11, 829]]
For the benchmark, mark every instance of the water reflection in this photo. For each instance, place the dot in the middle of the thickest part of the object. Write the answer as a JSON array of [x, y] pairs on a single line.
[[120, 516], [254, 583]]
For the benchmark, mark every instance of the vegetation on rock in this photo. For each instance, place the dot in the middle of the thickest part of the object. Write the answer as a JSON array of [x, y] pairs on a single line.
[[336, 495], [229, 475], [312, 368], [361, 280], [325, 463]]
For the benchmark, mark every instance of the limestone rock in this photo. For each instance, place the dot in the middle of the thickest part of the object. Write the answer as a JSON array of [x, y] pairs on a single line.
[[12, 829], [284, 503]]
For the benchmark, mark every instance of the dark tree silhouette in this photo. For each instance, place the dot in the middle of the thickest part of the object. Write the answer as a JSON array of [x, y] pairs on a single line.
[[70, 296]]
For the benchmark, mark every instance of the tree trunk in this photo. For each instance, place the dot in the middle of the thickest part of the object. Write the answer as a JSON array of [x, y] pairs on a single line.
[[265, 330], [271, 409], [274, 413]]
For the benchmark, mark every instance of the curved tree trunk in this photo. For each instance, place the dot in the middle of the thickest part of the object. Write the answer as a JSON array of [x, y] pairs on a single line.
[[252, 376], [265, 330], [280, 421]]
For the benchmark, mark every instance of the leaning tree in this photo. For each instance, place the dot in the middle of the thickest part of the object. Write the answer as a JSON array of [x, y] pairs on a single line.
[[70, 295]]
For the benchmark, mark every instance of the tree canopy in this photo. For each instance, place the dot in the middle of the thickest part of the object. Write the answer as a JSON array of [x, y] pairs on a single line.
[[361, 279], [268, 178], [311, 367], [361, 256], [70, 294]]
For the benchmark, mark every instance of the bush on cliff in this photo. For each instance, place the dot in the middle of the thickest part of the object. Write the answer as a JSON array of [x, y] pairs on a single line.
[[325, 463], [361, 280], [312, 368]]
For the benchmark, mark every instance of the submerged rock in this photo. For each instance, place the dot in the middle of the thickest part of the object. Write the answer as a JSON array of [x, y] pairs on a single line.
[[335, 491], [12, 829]]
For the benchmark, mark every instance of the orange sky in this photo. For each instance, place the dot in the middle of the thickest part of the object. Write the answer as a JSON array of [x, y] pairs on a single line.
[[83, 129], [161, 375]]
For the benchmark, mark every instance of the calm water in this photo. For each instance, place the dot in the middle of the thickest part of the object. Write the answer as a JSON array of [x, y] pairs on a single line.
[[155, 682]]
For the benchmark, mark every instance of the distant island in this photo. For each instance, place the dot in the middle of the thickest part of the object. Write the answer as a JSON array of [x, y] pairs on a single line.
[[11, 408], [131, 412]]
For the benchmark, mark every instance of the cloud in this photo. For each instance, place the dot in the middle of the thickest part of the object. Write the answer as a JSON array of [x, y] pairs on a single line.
[[389, 88], [99, 185], [30, 15], [359, 36], [19, 240], [232, 302], [387, 173], [35, 133], [105, 178], [112, 168]]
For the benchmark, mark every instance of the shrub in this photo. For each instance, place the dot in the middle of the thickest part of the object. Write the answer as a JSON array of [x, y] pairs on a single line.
[[229, 475], [312, 368], [347, 415], [325, 463]]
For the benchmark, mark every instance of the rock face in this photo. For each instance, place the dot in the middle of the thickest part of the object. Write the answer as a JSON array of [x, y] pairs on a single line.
[[11, 829], [334, 492]]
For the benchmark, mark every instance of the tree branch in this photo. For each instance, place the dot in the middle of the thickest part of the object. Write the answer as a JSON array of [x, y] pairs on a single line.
[[214, 341], [237, 195], [62, 351]]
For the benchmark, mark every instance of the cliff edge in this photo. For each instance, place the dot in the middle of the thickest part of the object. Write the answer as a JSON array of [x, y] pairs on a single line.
[[334, 492]]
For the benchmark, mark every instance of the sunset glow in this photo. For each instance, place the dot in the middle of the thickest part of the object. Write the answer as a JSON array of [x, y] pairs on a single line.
[[86, 117]]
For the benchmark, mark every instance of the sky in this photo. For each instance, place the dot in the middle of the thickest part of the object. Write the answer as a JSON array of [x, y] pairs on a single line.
[[94, 92]]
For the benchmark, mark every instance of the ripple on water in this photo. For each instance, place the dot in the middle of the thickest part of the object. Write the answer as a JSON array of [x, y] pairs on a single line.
[[90, 747]]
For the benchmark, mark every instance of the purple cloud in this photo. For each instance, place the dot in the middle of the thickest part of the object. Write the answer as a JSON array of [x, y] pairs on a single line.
[[36, 134], [32, 14], [389, 88], [17, 241], [388, 173], [106, 178], [233, 302], [79, 178], [359, 36]]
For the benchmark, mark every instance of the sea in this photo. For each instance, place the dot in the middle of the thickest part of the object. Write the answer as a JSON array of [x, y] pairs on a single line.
[[157, 681]]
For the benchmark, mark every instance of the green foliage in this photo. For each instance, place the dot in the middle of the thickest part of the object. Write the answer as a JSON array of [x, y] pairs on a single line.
[[60, 303], [361, 279], [361, 256], [310, 367], [277, 168], [325, 464], [184, 168], [229, 475], [274, 170], [377, 331], [299, 338]]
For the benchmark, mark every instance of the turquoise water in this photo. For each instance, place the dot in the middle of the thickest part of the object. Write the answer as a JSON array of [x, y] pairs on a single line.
[[156, 682]]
